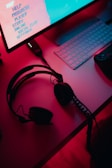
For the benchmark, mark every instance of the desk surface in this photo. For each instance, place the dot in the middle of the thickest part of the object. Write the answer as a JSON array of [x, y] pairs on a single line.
[[25, 145]]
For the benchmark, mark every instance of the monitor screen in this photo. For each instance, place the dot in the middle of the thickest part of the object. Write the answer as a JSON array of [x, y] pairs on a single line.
[[22, 19]]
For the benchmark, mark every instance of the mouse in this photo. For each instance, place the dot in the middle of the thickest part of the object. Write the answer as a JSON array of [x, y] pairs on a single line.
[[104, 61]]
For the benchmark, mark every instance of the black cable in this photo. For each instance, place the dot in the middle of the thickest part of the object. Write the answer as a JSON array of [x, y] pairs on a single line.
[[35, 48], [88, 114]]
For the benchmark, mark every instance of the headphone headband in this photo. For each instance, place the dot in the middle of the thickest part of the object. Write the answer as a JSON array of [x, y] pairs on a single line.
[[30, 67], [15, 82]]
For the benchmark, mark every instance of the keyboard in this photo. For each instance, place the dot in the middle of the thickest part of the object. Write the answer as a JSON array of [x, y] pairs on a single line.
[[83, 46]]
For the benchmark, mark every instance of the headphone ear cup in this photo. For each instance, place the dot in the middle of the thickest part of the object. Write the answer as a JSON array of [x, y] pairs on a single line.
[[40, 115], [63, 93]]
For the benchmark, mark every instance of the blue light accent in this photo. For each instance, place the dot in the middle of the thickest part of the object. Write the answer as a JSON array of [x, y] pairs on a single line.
[[59, 9]]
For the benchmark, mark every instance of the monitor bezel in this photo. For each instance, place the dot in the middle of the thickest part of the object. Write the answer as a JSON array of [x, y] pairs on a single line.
[[42, 31]]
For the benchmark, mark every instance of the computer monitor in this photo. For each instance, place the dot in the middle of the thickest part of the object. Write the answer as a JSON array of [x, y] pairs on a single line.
[[21, 20]]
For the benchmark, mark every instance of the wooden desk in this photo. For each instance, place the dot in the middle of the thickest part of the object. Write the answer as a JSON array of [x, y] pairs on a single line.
[[26, 145]]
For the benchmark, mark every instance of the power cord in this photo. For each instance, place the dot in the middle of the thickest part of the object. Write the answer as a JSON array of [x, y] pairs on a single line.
[[35, 48]]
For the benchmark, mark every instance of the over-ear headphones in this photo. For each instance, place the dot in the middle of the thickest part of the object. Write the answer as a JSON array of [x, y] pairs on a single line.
[[39, 115]]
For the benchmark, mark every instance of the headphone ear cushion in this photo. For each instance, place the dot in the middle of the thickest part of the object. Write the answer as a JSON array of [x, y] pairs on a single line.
[[40, 115], [63, 93]]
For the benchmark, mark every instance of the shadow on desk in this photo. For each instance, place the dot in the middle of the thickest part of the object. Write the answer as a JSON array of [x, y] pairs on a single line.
[[101, 148]]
